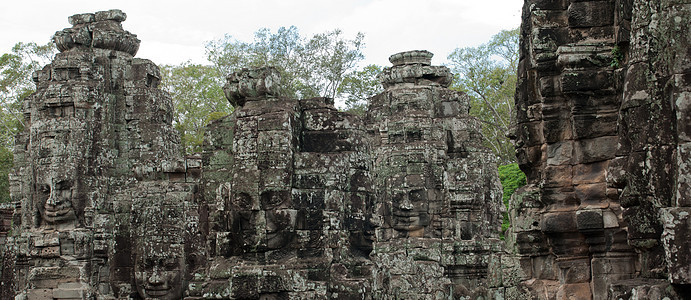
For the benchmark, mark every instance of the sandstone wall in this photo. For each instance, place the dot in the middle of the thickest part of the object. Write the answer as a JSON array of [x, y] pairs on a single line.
[[305, 201], [602, 135]]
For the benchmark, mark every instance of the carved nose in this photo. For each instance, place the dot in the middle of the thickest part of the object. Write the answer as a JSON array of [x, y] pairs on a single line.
[[52, 198], [406, 205], [155, 278]]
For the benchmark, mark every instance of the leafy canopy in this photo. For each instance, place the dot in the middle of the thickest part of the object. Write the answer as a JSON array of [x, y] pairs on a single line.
[[309, 67], [358, 86], [16, 70], [511, 178], [487, 73], [197, 98]]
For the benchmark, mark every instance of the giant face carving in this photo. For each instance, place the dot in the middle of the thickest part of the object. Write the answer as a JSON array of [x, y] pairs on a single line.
[[54, 199], [410, 210], [280, 218], [159, 271], [362, 240], [55, 187], [266, 224]]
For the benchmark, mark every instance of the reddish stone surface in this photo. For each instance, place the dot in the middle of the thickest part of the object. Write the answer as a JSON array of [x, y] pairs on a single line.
[[601, 133]]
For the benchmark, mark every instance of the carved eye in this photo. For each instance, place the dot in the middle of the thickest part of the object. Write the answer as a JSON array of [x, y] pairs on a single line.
[[242, 200], [44, 188], [272, 199], [171, 263], [417, 195], [63, 185], [149, 262]]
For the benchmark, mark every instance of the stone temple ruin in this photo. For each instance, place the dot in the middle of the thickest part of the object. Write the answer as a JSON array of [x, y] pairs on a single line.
[[293, 199]]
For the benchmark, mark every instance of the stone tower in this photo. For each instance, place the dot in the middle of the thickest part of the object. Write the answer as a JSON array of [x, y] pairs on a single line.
[[288, 191], [290, 198], [97, 130], [438, 193]]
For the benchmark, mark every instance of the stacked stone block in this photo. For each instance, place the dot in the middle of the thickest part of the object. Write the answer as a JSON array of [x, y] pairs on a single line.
[[291, 199], [598, 136]]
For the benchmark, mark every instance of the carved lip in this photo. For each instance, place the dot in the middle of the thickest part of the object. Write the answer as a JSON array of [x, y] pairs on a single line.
[[406, 221], [275, 234], [157, 292], [57, 211], [407, 216]]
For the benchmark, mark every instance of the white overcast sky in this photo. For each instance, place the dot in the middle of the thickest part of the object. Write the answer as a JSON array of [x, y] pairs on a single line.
[[175, 31]]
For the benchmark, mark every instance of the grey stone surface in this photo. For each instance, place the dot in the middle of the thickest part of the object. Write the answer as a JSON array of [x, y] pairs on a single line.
[[289, 199], [98, 142], [437, 187], [293, 199]]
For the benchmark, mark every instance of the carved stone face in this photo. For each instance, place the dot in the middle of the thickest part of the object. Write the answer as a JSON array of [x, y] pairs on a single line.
[[280, 218], [267, 224], [410, 210], [54, 199], [56, 186], [159, 274], [363, 239]]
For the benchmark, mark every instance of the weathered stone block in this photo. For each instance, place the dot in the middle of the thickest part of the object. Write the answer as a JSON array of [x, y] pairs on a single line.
[[596, 149], [594, 124], [644, 228], [81, 18], [576, 270], [574, 291], [559, 222], [549, 5], [592, 195], [683, 184], [113, 14], [591, 14], [558, 176], [251, 84], [677, 227], [584, 81], [589, 220]]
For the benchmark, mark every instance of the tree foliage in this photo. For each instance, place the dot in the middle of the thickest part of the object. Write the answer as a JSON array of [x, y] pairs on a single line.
[[487, 73], [511, 178], [16, 69], [197, 98], [358, 86], [309, 67]]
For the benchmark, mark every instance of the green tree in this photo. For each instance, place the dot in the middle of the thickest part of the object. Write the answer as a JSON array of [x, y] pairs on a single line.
[[358, 86], [16, 70], [5, 168], [198, 99], [511, 178], [487, 73], [309, 67]]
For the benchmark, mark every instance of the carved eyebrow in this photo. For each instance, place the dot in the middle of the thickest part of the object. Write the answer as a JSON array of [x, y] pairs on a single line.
[[61, 184]]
